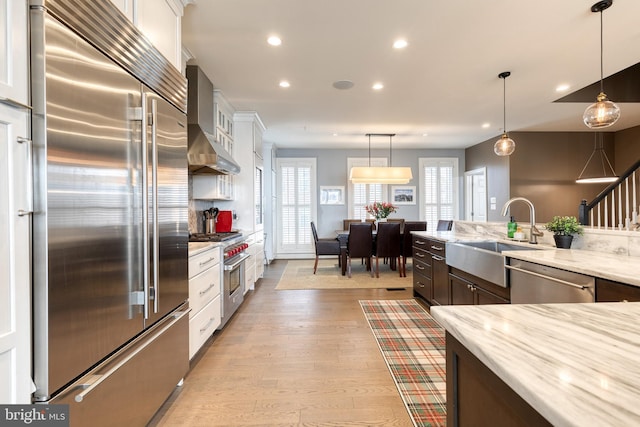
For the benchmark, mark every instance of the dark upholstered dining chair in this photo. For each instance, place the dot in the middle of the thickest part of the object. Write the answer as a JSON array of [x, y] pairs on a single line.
[[360, 244], [398, 220], [407, 241], [325, 246], [347, 222], [388, 244], [444, 225]]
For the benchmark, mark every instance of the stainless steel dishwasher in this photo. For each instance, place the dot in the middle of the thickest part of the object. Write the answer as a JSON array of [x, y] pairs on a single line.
[[539, 284]]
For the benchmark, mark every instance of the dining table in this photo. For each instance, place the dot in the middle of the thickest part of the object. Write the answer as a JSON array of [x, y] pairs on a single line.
[[343, 237]]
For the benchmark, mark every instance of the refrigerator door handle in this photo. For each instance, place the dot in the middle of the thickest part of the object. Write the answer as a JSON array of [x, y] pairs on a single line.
[[29, 175], [145, 206], [154, 201]]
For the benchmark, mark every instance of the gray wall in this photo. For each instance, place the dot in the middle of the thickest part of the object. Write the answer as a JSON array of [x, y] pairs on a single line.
[[544, 168], [482, 155], [332, 170]]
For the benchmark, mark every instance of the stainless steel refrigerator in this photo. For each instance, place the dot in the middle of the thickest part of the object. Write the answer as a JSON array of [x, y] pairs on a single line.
[[110, 241]]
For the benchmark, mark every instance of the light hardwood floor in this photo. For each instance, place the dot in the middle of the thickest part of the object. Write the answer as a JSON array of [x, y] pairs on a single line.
[[291, 358]]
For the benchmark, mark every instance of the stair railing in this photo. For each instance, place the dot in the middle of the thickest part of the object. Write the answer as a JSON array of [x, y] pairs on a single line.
[[618, 202]]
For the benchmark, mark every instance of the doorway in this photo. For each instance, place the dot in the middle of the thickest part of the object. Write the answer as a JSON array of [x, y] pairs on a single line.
[[475, 191]]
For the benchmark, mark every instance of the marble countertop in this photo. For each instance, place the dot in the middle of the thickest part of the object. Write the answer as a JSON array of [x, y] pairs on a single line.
[[576, 364], [199, 247], [619, 268]]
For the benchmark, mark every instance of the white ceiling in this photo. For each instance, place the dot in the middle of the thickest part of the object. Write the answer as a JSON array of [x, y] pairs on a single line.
[[444, 84]]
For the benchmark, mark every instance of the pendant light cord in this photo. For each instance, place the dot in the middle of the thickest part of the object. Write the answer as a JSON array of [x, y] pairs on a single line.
[[601, 56], [390, 158], [504, 104], [369, 150]]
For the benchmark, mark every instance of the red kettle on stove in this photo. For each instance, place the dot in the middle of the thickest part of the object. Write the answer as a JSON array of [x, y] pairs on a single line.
[[224, 221]]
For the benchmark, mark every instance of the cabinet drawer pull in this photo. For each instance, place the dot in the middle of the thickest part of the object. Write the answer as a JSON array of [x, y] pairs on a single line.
[[207, 261], [436, 248], [419, 267], [419, 255], [13, 103], [437, 258], [208, 325], [211, 286], [420, 242], [420, 284]]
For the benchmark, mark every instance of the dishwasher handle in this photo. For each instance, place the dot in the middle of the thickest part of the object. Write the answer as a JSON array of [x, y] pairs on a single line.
[[543, 276]]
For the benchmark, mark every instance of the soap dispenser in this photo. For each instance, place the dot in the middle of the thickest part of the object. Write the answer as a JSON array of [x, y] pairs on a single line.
[[512, 226]]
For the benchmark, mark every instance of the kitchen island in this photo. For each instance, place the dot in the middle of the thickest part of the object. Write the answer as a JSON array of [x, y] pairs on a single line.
[[619, 268], [573, 364]]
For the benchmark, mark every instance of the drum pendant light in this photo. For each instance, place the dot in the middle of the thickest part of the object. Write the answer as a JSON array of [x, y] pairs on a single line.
[[383, 174], [505, 146], [603, 113], [598, 168]]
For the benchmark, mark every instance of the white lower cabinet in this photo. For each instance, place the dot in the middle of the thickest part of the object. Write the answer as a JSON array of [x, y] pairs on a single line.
[[203, 325], [254, 265], [259, 255], [205, 279], [249, 265]]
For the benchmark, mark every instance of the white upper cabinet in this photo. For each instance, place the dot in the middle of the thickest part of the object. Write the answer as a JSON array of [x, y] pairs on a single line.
[[160, 21], [14, 75]]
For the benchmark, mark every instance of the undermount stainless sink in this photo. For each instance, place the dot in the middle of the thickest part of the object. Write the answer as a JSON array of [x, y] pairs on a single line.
[[483, 259]]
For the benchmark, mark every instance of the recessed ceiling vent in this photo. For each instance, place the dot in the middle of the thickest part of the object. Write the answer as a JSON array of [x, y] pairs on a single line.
[[343, 84]]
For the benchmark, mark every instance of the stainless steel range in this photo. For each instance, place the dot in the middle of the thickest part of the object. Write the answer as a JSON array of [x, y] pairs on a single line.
[[235, 253]]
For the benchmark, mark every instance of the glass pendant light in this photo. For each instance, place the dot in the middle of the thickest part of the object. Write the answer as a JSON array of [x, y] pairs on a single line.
[[603, 113], [381, 174], [505, 146]]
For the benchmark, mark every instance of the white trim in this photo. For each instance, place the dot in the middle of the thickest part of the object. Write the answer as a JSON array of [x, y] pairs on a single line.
[[297, 248], [437, 161], [470, 191]]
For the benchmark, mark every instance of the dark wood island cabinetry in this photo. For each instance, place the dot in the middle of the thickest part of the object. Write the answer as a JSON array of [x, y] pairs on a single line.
[[430, 271], [609, 291], [469, 289], [477, 397]]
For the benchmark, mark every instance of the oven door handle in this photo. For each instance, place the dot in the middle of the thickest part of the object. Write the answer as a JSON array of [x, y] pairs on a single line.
[[237, 262]]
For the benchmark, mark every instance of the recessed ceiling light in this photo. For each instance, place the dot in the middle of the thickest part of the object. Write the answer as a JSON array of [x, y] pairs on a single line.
[[400, 44], [486, 125], [562, 88], [335, 134], [284, 83], [274, 41], [343, 84], [425, 134], [377, 86]]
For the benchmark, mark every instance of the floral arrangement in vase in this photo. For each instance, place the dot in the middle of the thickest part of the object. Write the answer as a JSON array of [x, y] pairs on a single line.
[[380, 210]]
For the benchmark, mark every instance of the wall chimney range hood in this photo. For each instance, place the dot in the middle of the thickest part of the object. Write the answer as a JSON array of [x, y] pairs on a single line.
[[205, 155]]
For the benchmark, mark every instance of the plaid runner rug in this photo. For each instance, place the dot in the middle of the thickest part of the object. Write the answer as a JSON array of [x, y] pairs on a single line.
[[413, 346]]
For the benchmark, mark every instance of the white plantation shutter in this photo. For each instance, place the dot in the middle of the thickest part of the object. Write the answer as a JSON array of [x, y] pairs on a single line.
[[438, 177], [361, 195], [296, 202]]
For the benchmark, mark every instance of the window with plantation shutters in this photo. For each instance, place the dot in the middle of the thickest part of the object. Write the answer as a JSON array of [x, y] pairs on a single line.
[[361, 195], [438, 188], [296, 203]]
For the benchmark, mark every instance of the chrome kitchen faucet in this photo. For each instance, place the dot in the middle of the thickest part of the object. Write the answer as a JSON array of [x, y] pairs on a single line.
[[532, 215]]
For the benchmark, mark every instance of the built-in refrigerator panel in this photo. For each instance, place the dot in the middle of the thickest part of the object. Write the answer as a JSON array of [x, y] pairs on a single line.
[[166, 141], [87, 220]]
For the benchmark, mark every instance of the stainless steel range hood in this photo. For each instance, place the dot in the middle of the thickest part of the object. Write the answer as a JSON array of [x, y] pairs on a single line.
[[205, 155]]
